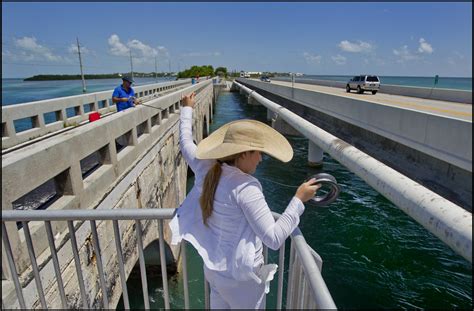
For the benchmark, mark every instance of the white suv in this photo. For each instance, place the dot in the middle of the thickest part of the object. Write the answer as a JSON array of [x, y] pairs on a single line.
[[363, 83]]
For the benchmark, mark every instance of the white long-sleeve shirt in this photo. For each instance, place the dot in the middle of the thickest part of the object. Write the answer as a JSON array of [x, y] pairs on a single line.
[[240, 221]]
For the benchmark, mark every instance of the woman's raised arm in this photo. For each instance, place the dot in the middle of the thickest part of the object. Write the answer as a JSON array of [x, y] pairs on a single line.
[[187, 145]]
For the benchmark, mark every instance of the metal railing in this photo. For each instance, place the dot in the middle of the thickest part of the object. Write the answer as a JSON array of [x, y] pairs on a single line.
[[446, 220], [305, 289]]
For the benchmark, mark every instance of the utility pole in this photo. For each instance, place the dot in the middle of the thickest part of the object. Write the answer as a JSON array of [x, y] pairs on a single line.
[[80, 64], [169, 66], [131, 64], [156, 70]]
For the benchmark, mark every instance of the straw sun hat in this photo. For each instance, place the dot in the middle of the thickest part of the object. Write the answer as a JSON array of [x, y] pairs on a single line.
[[244, 135]]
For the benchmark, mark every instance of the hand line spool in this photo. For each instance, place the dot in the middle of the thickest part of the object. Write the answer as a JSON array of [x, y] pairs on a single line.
[[329, 189]]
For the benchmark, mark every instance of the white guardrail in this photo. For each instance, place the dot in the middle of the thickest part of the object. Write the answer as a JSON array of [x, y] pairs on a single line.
[[305, 287], [446, 220]]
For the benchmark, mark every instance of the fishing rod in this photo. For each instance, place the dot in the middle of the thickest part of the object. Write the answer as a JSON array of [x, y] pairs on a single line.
[[151, 106], [134, 99]]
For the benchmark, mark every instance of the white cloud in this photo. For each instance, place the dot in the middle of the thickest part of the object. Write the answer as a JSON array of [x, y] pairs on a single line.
[[455, 58], [116, 47], [312, 59], [201, 54], [355, 47], [30, 49], [162, 51], [6, 53], [425, 47], [142, 49], [339, 59], [459, 55], [404, 54], [73, 49], [141, 52]]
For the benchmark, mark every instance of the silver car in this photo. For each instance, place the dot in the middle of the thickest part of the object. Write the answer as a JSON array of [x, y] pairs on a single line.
[[363, 83]]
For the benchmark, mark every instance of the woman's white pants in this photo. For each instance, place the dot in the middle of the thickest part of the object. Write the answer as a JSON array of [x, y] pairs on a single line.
[[228, 293]]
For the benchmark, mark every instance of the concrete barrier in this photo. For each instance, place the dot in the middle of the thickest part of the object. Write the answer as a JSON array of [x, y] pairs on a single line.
[[96, 102], [444, 138], [459, 96]]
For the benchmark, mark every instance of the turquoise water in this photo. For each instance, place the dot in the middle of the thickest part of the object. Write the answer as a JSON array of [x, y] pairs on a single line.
[[443, 82], [15, 91], [374, 255]]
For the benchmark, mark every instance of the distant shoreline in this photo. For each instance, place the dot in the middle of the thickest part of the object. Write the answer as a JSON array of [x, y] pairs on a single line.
[[90, 76]]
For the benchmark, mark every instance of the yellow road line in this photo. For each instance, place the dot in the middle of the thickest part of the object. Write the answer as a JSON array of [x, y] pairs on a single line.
[[459, 113], [449, 111]]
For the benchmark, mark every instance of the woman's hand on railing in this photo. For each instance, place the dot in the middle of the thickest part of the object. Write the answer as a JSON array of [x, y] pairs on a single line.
[[307, 190], [189, 100]]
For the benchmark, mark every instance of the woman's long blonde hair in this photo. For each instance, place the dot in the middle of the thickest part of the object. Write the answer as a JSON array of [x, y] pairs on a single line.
[[210, 185]]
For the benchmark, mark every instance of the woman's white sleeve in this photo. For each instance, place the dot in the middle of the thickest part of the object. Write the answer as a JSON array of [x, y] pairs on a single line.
[[187, 145], [272, 233]]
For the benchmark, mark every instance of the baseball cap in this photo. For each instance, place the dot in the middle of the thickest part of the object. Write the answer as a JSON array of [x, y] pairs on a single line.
[[128, 78]]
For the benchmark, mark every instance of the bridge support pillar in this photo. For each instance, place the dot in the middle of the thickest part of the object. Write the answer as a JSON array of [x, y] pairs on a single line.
[[270, 115], [315, 155], [241, 92], [252, 101], [283, 127], [233, 87]]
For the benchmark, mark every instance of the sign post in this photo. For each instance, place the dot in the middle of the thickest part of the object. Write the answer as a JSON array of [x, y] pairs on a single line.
[[435, 82]]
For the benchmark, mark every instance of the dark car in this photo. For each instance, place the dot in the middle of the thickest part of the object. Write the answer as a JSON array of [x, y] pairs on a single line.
[[265, 79], [363, 83]]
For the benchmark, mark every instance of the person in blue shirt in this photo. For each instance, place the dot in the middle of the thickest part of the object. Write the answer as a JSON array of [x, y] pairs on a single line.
[[124, 95]]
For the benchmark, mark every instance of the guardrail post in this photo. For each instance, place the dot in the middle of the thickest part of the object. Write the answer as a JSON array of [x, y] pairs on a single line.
[[63, 115], [14, 239], [315, 155], [112, 156], [134, 136], [81, 110], [39, 120], [72, 182], [10, 131]]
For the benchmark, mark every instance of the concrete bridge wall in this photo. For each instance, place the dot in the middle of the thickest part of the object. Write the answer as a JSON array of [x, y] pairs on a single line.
[[460, 96], [94, 102], [433, 150], [148, 173]]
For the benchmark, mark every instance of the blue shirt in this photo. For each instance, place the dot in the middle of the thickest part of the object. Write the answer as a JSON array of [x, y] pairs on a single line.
[[121, 93]]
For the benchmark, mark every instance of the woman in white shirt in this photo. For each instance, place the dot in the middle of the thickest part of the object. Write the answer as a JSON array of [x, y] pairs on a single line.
[[225, 215]]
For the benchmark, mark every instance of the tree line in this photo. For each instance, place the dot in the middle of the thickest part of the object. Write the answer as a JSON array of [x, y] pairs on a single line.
[[95, 76], [202, 71]]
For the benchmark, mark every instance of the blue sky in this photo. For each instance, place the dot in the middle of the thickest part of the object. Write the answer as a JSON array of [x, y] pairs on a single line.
[[413, 39]]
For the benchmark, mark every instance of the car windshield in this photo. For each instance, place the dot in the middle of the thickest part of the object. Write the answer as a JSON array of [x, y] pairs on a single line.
[[372, 79]]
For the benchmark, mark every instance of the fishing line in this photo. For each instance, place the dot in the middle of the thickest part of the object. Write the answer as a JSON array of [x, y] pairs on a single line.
[[285, 185], [329, 190]]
